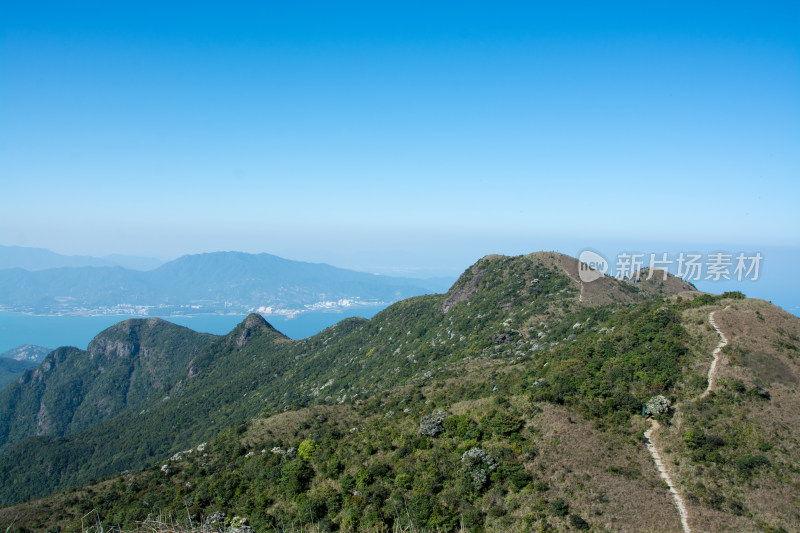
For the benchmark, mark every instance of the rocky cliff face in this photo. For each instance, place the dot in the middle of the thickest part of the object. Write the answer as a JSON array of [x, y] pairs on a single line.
[[125, 366]]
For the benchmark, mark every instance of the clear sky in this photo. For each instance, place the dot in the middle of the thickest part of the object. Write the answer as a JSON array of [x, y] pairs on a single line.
[[398, 136]]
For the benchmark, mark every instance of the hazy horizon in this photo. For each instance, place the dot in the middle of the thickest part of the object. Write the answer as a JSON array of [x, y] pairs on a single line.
[[403, 139], [775, 281]]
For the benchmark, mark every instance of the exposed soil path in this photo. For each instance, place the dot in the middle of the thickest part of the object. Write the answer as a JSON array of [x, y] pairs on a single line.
[[662, 470], [578, 281], [712, 372]]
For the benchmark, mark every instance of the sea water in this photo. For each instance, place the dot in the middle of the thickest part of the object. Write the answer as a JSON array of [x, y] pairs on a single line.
[[17, 329]]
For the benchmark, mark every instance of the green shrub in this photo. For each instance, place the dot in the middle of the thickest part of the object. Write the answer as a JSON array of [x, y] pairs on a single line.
[[462, 427], [504, 424], [296, 475], [403, 481], [347, 482], [559, 507], [578, 523], [747, 463], [735, 295], [307, 450]]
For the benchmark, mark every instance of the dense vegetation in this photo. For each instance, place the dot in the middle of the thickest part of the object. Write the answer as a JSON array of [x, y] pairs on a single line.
[[382, 474], [420, 418], [255, 370], [75, 389], [384, 461], [10, 369]]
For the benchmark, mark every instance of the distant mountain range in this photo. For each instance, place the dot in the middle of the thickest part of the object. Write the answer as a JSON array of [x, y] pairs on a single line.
[[43, 259], [27, 352], [221, 282], [16, 361]]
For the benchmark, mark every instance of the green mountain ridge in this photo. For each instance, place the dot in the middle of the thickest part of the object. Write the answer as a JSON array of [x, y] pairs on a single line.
[[74, 389], [17, 360], [515, 347], [349, 358]]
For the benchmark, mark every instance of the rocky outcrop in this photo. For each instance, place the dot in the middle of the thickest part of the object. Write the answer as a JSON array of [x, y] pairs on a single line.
[[252, 324], [112, 348], [462, 291], [251, 327], [42, 421], [125, 366]]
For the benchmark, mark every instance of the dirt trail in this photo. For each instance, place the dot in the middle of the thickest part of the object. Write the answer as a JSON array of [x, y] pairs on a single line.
[[676, 497], [662, 470], [578, 281], [712, 372]]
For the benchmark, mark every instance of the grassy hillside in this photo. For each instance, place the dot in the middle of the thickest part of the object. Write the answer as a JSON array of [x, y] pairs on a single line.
[[513, 402], [736, 452], [415, 340]]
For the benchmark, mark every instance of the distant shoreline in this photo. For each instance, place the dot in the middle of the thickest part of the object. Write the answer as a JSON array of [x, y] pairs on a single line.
[[17, 329], [288, 313]]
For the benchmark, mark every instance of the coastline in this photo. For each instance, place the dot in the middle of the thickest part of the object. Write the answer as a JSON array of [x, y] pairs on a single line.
[[53, 331]]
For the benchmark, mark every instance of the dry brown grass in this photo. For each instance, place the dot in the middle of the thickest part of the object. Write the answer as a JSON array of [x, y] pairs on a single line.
[[284, 426], [49, 513], [608, 290], [608, 478], [92, 523], [763, 348]]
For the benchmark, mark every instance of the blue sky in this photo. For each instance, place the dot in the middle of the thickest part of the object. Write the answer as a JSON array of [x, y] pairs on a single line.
[[399, 137]]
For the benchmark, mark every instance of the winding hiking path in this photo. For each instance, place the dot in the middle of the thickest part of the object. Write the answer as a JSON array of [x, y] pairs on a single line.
[[712, 372], [662, 470]]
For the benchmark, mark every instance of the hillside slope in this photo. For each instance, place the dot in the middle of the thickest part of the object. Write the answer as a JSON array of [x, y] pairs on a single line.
[[511, 402], [74, 389], [40, 259], [501, 307], [735, 452]]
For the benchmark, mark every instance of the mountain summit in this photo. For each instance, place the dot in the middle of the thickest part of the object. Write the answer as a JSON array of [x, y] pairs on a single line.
[[605, 290], [253, 325], [27, 352]]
